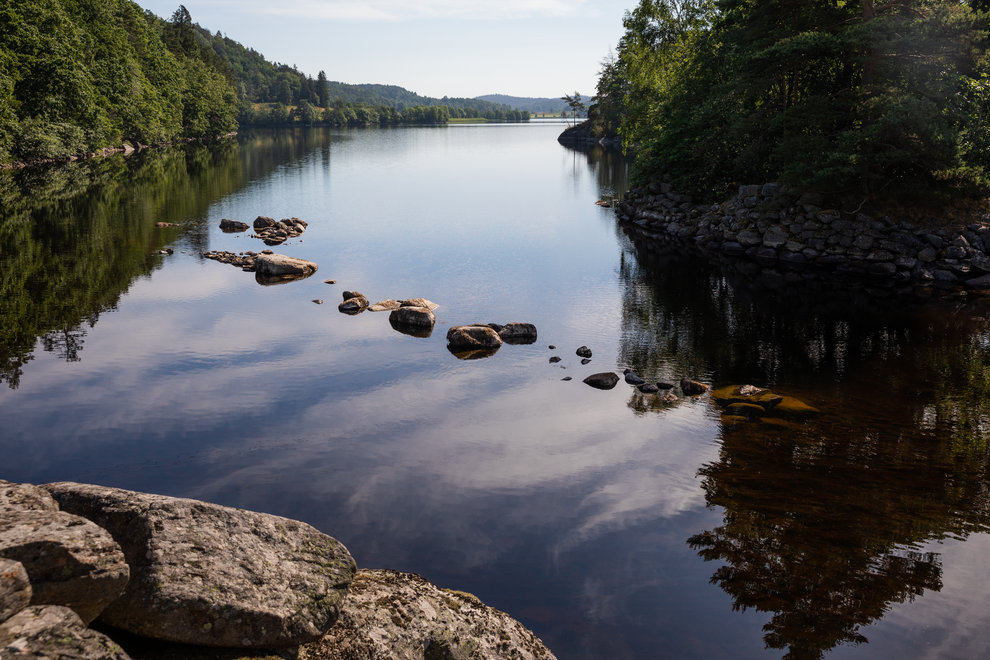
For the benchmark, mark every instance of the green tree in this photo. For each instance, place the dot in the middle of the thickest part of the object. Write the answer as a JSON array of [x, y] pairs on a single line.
[[575, 103]]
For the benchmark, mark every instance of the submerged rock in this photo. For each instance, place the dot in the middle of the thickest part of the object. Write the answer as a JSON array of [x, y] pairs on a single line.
[[212, 575], [603, 381], [725, 396], [401, 616], [69, 560], [51, 631], [648, 388]]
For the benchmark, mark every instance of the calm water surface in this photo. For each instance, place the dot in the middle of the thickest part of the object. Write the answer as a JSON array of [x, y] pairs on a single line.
[[613, 525]]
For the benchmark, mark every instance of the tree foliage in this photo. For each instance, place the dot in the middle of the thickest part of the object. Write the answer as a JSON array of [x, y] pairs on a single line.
[[80, 75], [835, 95]]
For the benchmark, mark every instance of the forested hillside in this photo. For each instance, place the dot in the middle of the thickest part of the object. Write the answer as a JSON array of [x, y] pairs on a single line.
[[80, 75], [866, 97], [541, 105], [393, 96]]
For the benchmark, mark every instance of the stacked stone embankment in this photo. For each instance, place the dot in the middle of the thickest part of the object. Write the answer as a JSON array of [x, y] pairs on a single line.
[[796, 236]]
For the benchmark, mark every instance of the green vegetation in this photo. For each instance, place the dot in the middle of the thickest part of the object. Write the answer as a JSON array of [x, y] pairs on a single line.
[[856, 98], [80, 75]]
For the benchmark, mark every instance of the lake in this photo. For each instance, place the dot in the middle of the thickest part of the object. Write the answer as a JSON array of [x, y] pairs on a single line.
[[612, 523]]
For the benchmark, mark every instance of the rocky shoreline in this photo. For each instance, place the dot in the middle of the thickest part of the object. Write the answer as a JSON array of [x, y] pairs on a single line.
[[784, 237], [175, 577]]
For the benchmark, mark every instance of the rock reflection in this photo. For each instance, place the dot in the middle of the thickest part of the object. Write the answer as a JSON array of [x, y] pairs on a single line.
[[472, 354], [823, 518]]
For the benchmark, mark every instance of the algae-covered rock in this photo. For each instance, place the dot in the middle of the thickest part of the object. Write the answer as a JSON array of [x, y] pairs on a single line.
[[725, 396], [401, 616], [52, 631], [748, 410], [213, 575], [791, 407]]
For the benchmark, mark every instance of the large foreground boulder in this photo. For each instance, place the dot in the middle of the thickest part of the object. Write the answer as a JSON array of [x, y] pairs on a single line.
[[69, 560], [15, 588], [24, 497], [392, 615], [603, 381], [51, 631], [213, 575]]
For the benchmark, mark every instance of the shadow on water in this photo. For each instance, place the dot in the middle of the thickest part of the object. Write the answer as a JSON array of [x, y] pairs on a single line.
[[824, 520], [73, 238]]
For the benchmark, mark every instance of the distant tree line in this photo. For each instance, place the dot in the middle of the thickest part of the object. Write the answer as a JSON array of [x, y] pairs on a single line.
[[855, 97], [351, 114], [77, 76]]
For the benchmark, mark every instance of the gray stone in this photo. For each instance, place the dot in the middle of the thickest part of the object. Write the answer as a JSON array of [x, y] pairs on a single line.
[[354, 302], [52, 631], [420, 317], [775, 237], [385, 306], [15, 588], [863, 242], [213, 575], [648, 388], [419, 302], [583, 352], [928, 255], [518, 333], [280, 265], [982, 282], [602, 381], [69, 560], [401, 616], [633, 378], [749, 238], [24, 497], [233, 225], [472, 337]]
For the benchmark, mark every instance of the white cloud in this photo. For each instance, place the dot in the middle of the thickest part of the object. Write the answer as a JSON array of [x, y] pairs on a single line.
[[396, 10]]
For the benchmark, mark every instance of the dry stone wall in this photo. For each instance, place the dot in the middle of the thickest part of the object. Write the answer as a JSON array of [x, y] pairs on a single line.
[[798, 237]]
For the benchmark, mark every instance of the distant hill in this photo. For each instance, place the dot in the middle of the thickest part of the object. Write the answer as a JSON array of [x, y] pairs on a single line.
[[527, 103], [393, 96]]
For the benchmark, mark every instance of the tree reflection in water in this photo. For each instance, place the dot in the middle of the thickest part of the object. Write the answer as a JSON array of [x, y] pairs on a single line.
[[824, 519], [73, 237]]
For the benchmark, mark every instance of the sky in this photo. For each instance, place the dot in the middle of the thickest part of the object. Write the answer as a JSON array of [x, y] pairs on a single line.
[[461, 48]]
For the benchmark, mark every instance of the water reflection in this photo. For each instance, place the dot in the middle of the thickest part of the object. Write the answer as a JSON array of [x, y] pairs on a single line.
[[73, 238], [823, 521]]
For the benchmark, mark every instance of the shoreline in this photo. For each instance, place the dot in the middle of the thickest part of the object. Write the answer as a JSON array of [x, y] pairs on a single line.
[[784, 237], [126, 149]]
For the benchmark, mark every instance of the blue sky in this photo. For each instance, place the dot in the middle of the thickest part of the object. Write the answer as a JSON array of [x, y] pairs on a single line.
[[433, 47]]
